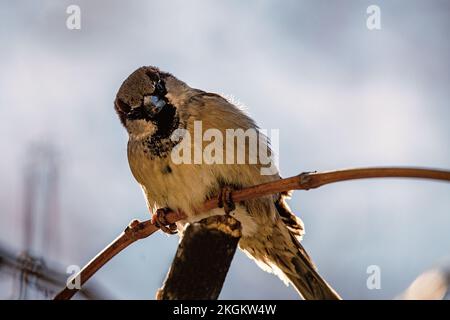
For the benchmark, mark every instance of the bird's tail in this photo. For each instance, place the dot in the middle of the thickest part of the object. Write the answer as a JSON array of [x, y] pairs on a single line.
[[277, 249], [305, 278]]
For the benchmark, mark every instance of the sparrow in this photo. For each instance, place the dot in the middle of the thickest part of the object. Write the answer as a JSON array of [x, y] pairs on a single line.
[[152, 105]]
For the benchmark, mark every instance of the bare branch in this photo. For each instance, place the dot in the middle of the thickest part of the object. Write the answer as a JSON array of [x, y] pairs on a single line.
[[202, 260], [305, 181]]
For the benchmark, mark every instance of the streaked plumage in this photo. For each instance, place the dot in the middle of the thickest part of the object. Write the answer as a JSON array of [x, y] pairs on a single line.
[[271, 232]]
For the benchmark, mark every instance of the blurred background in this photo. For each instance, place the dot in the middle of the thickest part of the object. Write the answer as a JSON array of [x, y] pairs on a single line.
[[342, 96]]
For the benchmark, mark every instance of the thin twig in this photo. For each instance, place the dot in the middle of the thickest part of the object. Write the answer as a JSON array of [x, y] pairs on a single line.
[[305, 181]]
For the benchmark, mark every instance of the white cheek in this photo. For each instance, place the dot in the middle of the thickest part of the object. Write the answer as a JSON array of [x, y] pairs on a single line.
[[174, 99], [138, 129]]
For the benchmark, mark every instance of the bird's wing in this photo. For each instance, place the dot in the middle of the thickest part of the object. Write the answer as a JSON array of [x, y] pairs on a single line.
[[300, 269]]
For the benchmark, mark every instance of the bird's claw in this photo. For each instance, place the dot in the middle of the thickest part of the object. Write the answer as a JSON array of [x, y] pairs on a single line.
[[159, 220], [225, 200]]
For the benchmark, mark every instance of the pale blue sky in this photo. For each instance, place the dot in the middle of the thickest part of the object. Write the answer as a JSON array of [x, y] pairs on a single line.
[[341, 95]]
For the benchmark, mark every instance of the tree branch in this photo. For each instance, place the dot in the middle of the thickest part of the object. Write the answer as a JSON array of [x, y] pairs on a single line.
[[202, 260], [305, 181]]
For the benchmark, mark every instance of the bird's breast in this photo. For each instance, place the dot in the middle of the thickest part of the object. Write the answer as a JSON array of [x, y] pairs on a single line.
[[165, 184]]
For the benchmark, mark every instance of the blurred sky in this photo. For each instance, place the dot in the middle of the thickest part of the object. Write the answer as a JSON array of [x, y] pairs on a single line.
[[341, 95]]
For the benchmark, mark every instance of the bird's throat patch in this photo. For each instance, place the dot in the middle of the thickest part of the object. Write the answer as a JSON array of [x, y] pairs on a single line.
[[159, 143]]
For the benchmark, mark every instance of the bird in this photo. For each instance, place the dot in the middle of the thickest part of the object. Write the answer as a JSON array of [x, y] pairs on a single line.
[[153, 105]]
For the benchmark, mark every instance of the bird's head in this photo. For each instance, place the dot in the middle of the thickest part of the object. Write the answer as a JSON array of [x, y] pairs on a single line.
[[146, 102]]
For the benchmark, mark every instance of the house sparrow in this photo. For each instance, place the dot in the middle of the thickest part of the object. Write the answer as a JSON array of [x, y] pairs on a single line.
[[152, 105]]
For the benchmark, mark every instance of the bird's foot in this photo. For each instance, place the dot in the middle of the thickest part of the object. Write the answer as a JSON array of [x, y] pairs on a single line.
[[159, 220], [225, 200]]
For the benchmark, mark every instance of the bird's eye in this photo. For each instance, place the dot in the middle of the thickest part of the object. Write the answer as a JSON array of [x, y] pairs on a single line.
[[160, 89]]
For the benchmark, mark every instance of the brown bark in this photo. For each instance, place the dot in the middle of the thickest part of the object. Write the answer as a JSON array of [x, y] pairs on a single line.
[[202, 260]]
